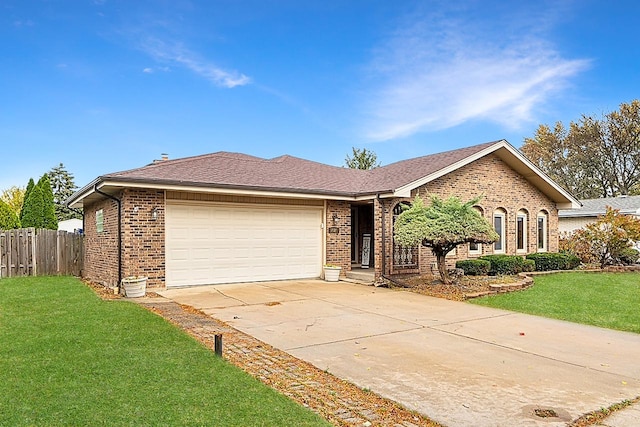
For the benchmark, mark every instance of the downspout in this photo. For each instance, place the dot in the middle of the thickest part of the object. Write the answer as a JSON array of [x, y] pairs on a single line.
[[119, 202]]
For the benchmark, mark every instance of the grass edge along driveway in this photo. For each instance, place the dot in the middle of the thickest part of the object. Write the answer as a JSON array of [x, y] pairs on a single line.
[[69, 358], [607, 300]]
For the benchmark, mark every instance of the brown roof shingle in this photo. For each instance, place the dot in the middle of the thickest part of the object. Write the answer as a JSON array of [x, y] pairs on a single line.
[[290, 174]]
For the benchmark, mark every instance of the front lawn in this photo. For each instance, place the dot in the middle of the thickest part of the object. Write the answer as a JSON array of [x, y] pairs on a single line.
[[608, 300], [69, 358]]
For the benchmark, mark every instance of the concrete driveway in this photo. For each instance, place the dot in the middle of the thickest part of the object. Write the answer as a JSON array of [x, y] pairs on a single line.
[[459, 364]]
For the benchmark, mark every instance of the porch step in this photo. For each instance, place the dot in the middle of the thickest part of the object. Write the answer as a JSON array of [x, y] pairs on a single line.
[[361, 275]]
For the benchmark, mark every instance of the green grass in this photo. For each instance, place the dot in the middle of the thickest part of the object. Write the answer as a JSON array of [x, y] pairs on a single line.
[[608, 300], [69, 358]]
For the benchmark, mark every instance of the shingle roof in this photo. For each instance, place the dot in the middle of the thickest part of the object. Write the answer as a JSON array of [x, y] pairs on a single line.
[[287, 173], [595, 207], [231, 172]]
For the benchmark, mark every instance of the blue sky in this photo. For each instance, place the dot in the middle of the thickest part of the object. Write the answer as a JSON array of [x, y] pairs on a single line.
[[108, 85]]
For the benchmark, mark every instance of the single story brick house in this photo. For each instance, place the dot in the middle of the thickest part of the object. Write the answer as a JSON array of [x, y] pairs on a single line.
[[230, 217]]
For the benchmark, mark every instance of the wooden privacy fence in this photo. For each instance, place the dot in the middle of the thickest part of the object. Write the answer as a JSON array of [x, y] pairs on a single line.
[[41, 252]]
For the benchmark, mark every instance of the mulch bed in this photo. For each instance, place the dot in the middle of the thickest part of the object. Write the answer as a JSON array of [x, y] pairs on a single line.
[[461, 290]]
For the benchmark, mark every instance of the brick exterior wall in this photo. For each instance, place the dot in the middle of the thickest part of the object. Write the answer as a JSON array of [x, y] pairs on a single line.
[[143, 241], [501, 188], [142, 238], [339, 244], [101, 249]]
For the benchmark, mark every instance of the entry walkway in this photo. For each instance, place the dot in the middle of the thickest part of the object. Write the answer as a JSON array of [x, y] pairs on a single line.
[[459, 364]]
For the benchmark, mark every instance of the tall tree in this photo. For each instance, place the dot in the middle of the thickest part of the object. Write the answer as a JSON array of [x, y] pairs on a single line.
[[8, 218], [63, 186], [595, 157], [27, 192], [49, 219], [14, 198], [33, 209], [362, 159], [442, 226]]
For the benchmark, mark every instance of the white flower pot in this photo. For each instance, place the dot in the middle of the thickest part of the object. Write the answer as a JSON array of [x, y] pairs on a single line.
[[134, 286], [332, 274]]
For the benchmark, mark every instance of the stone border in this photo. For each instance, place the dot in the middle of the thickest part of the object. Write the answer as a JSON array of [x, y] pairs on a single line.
[[525, 283]]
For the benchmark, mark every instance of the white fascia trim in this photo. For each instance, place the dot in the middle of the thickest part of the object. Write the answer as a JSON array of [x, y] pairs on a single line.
[[234, 191], [75, 200]]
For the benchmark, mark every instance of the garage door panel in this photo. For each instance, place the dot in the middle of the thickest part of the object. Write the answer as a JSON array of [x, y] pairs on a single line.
[[209, 244]]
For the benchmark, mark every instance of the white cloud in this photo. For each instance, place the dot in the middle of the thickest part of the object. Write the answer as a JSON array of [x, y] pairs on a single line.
[[148, 70], [436, 73], [179, 55]]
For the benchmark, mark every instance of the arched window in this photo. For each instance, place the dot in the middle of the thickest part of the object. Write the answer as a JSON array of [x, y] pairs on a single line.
[[543, 238], [476, 248], [499, 220], [403, 256], [522, 232]]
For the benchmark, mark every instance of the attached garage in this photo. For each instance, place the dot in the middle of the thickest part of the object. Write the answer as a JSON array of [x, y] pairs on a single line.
[[213, 243]]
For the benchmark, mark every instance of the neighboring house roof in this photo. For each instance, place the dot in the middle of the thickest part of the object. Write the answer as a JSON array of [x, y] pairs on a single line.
[[629, 205], [292, 176]]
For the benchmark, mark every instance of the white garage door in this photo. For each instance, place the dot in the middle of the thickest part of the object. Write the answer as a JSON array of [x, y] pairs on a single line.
[[210, 244]]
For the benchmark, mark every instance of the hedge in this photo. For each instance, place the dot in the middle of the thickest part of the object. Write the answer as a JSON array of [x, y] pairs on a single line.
[[548, 261], [505, 264], [474, 267]]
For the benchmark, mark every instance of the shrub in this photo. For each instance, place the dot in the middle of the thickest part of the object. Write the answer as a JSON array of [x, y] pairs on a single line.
[[528, 265], [573, 260], [549, 261], [504, 264], [629, 256], [474, 267], [576, 244]]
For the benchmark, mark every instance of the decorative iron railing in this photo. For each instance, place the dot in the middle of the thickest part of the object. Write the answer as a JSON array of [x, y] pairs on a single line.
[[405, 256]]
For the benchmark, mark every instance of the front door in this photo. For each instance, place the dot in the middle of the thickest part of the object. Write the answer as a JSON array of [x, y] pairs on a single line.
[[361, 230]]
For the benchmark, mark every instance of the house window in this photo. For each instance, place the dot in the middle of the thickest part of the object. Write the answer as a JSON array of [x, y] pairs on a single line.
[[542, 232], [521, 231], [498, 224], [476, 248], [99, 221]]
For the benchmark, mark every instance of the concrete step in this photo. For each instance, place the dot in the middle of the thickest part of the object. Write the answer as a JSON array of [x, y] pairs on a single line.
[[361, 275]]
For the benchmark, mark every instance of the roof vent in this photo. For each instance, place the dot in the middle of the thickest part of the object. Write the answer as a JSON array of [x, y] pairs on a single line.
[[164, 156]]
